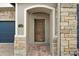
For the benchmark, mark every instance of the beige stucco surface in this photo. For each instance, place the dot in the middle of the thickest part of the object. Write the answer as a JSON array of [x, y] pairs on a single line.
[[20, 13]]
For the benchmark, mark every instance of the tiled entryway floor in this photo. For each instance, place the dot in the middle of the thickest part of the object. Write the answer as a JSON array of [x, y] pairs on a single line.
[[38, 50]]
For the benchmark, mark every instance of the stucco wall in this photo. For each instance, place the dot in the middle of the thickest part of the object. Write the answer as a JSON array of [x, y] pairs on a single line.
[[20, 13]]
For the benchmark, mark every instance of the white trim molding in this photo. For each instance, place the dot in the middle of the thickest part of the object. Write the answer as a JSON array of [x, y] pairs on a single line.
[[16, 20], [58, 21], [35, 6]]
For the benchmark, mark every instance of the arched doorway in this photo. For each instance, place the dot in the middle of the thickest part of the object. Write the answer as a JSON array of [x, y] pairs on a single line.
[[39, 30]]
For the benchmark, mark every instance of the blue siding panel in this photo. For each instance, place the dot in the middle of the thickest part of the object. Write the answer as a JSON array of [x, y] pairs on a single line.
[[77, 25], [7, 31]]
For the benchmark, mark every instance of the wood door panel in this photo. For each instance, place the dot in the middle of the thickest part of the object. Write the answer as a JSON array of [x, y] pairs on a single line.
[[39, 30]]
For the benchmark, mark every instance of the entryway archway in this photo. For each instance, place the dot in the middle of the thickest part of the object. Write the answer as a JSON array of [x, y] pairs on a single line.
[[39, 29]]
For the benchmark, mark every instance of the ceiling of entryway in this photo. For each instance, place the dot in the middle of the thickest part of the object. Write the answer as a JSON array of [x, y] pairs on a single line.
[[39, 9]]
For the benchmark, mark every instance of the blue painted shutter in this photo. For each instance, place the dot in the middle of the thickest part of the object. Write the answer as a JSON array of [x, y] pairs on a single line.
[[77, 25], [7, 31]]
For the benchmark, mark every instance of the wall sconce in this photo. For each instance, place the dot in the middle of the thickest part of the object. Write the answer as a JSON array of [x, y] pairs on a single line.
[[20, 25]]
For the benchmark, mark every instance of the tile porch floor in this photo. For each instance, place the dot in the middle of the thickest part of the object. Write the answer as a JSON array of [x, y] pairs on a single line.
[[38, 50]]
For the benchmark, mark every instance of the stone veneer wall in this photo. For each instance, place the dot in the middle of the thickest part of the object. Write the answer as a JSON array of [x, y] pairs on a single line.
[[6, 49], [20, 46], [68, 29], [7, 14]]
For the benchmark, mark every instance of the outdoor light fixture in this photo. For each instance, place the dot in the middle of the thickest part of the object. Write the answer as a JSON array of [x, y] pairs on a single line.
[[20, 25]]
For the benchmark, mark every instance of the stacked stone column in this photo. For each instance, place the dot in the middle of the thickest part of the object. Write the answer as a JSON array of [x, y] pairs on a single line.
[[68, 29], [20, 46]]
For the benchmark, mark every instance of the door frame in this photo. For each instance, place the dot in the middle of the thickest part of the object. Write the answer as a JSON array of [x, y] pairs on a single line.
[[52, 23], [35, 16]]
